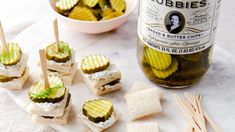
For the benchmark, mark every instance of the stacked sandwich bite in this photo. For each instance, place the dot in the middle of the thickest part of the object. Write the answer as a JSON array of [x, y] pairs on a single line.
[[13, 67], [60, 59], [100, 75], [98, 114], [50, 100], [61, 62]]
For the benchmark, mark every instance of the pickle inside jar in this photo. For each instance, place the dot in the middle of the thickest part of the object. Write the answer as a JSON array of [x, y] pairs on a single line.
[[190, 68]]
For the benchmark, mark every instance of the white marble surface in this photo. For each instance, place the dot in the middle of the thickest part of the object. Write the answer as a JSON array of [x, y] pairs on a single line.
[[217, 86]]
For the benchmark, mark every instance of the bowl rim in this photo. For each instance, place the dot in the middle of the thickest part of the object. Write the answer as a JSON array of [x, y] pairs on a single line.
[[94, 22]]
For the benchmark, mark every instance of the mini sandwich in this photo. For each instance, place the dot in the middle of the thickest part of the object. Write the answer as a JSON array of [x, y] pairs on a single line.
[[143, 127], [14, 71], [143, 100], [100, 75], [60, 59], [50, 100], [98, 115], [61, 62]]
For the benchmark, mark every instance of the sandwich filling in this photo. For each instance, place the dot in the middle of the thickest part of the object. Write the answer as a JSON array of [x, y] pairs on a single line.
[[15, 70]]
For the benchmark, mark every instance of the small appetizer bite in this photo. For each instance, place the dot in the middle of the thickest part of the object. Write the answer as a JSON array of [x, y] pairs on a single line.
[[50, 100], [14, 71], [60, 59], [98, 114], [143, 127], [143, 100], [100, 75]]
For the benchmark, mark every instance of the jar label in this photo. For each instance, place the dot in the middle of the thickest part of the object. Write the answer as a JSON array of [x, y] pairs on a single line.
[[178, 26]]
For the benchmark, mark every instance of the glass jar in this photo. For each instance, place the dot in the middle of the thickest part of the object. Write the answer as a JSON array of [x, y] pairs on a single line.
[[175, 40]]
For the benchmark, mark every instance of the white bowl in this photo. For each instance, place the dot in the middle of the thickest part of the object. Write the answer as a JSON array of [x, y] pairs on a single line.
[[94, 27]]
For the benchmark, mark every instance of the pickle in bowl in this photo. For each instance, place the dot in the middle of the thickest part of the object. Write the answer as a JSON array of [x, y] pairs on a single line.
[[91, 10]]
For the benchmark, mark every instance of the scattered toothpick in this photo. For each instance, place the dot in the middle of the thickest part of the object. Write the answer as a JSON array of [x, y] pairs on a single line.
[[194, 113], [42, 54], [56, 33], [3, 40]]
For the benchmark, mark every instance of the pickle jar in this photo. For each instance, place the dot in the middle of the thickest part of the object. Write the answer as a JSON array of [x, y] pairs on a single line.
[[175, 40]]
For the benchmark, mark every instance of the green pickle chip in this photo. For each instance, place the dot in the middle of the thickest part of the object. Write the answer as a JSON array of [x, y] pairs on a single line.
[[98, 110], [65, 5], [91, 10], [94, 63], [82, 13], [54, 94], [118, 5], [102, 3], [63, 55], [13, 55], [90, 3], [107, 11], [156, 59], [166, 72], [112, 15]]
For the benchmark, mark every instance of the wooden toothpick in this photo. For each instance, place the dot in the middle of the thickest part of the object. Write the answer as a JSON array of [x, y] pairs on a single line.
[[3, 40], [56, 33], [42, 54]]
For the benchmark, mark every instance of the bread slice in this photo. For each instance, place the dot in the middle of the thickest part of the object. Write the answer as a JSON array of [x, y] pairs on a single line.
[[143, 103], [139, 86], [94, 126], [57, 109], [61, 67], [66, 77], [56, 120], [16, 83], [99, 82], [14, 70], [143, 127]]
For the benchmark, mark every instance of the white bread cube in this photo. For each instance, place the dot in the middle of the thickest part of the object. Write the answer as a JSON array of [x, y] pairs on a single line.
[[99, 82], [66, 77], [139, 86], [14, 70], [56, 120], [143, 127], [17, 83], [143, 103]]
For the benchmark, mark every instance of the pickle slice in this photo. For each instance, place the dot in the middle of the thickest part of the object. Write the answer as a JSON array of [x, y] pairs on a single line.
[[102, 3], [54, 94], [82, 13], [156, 59], [118, 5], [107, 11], [98, 110], [112, 15], [13, 56], [6, 79], [65, 5], [90, 3], [94, 63], [167, 72], [63, 55]]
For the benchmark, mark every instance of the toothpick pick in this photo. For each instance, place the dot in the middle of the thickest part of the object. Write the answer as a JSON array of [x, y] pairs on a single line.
[[3, 40], [42, 54], [186, 112], [56, 33]]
